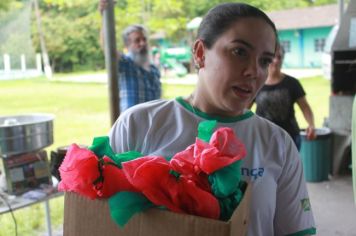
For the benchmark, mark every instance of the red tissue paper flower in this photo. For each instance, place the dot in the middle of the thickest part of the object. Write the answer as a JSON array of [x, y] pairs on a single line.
[[80, 169], [181, 185], [153, 177], [223, 149], [184, 163]]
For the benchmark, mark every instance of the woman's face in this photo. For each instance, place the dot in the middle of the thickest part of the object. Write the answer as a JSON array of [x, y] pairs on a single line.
[[276, 65], [235, 68]]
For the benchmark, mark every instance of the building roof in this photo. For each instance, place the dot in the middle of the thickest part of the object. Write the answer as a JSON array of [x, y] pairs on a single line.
[[299, 18]]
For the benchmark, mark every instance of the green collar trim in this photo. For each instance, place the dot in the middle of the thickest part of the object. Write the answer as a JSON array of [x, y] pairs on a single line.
[[310, 231], [206, 116]]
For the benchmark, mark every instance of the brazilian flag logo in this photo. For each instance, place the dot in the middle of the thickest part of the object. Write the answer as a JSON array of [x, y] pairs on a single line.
[[305, 204]]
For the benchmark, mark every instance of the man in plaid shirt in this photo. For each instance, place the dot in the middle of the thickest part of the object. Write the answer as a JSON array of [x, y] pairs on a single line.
[[139, 78]]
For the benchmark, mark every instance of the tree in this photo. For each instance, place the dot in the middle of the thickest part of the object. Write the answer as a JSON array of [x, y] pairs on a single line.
[[71, 27], [15, 33], [71, 30], [4, 5]]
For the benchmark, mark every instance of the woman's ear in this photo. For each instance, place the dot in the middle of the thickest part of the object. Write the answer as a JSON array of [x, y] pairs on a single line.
[[199, 54]]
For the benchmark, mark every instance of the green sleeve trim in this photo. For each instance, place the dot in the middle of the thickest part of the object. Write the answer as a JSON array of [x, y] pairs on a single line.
[[203, 115], [310, 231]]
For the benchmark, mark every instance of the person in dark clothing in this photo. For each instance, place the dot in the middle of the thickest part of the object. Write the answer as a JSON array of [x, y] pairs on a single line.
[[275, 101]]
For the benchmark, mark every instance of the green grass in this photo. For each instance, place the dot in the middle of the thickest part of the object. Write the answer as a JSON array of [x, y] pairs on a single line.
[[81, 110], [318, 91], [81, 113], [80, 73]]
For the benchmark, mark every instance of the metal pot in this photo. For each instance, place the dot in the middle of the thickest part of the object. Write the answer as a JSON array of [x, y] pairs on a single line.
[[25, 133]]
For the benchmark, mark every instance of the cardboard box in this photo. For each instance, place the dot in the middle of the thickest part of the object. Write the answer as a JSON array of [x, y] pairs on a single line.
[[83, 216]]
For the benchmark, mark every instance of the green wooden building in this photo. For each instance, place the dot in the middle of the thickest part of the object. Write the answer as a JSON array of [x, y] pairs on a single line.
[[303, 33]]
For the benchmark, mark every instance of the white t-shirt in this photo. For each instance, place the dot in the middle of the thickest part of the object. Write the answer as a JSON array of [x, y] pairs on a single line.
[[280, 203]]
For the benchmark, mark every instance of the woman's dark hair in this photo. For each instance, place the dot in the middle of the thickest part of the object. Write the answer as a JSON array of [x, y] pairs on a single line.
[[219, 19]]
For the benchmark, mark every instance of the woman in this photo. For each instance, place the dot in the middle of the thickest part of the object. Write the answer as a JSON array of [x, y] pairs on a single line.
[[275, 101], [236, 43]]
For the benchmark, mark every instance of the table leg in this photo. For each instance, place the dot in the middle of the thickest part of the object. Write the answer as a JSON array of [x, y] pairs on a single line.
[[48, 218]]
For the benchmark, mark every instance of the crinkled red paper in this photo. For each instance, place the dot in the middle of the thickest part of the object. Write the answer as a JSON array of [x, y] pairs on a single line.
[[152, 176], [181, 185], [222, 150], [80, 169]]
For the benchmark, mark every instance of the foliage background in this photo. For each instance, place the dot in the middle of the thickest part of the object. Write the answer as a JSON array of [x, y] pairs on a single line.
[[71, 27]]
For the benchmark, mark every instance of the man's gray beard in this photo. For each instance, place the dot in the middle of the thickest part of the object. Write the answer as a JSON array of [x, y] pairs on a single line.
[[140, 58]]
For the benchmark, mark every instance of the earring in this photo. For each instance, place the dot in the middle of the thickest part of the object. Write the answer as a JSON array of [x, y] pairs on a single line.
[[197, 66]]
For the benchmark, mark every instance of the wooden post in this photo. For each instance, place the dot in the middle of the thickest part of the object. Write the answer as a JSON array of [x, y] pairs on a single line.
[[23, 63], [46, 64], [39, 63], [7, 63], [111, 60]]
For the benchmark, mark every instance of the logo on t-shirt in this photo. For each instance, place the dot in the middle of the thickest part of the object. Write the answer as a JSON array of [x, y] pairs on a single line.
[[255, 172], [305, 204]]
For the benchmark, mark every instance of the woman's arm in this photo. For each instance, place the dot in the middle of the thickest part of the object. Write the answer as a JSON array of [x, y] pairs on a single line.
[[308, 116]]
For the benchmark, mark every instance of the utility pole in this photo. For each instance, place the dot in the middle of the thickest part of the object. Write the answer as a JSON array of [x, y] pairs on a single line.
[[46, 64]]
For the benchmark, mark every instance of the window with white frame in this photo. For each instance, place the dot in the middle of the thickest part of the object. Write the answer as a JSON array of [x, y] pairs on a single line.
[[319, 44], [286, 45]]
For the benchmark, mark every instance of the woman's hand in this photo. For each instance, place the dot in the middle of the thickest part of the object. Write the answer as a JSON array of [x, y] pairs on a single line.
[[310, 132], [103, 5]]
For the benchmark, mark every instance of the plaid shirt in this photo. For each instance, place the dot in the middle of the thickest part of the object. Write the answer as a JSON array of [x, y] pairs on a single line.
[[136, 84]]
